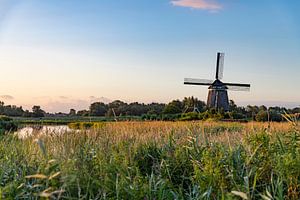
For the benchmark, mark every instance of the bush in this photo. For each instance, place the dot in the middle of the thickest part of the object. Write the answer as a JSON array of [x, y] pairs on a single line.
[[211, 114], [7, 124], [262, 116], [170, 117], [236, 115], [189, 116], [150, 117], [275, 116]]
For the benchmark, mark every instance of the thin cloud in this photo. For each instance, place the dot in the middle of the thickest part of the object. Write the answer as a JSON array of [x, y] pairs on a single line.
[[6, 97], [198, 4]]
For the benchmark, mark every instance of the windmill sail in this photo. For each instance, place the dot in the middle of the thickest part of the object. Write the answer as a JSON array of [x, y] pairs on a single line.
[[237, 86], [217, 94], [220, 65], [195, 81]]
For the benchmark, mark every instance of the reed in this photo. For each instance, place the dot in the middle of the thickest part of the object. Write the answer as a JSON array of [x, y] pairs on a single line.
[[155, 160]]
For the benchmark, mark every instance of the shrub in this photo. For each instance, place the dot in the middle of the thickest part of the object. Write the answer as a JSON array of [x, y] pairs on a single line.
[[275, 116], [7, 124], [262, 116], [189, 116]]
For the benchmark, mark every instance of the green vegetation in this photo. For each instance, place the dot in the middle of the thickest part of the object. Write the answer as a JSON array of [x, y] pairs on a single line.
[[173, 111], [155, 160], [15, 111], [65, 120], [7, 124]]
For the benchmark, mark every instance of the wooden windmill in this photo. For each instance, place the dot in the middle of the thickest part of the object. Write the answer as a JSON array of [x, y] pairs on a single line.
[[217, 94]]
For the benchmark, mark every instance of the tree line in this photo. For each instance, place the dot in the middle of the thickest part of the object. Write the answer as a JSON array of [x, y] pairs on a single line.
[[190, 108], [15, 111]]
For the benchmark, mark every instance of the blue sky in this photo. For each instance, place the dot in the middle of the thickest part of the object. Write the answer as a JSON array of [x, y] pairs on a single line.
[[62, 53]]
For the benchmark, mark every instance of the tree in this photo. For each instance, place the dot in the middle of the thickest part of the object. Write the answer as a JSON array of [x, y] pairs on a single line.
[[98, 109], [118, 107], [155, 108], [37, 111], [83, 113], [275, 116], [189, 103], [251, 111], [27, 113], [296, 110], [263, 107], [232, 106], [174, 107], [136, 109], [10, 110], [262, 116], [72, 112]]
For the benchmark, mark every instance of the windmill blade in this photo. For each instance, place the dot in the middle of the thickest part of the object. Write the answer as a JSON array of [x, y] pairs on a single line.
[[238, 87], [195, 81], [220, 65]]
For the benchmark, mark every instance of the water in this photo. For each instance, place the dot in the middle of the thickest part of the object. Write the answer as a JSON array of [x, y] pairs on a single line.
[[35, 130]]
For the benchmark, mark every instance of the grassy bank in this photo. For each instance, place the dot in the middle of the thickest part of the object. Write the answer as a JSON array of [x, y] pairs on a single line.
[[66, 120], [155, 160]]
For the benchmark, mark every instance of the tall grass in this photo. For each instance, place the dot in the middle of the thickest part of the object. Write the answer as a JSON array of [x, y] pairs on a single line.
[[155, 160]]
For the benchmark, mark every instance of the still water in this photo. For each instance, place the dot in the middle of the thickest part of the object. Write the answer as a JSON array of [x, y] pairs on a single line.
[[35, 130]]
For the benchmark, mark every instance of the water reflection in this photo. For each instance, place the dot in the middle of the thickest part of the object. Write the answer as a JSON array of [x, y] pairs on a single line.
[[36, 130]]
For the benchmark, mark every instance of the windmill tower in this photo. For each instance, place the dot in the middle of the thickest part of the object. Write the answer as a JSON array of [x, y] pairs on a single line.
[[217, 90]]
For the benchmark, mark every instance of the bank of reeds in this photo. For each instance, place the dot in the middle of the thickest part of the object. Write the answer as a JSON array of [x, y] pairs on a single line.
[[155, 160]]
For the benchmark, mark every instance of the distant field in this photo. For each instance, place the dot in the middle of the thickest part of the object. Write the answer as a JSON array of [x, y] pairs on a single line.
[[155, 160]]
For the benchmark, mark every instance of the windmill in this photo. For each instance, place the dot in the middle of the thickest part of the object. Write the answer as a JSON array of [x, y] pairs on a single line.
[[217, 94]]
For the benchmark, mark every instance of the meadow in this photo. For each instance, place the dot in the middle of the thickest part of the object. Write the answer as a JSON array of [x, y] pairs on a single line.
[[155, 160]]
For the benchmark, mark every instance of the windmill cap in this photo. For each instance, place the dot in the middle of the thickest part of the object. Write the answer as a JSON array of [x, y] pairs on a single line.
[[217, 84]]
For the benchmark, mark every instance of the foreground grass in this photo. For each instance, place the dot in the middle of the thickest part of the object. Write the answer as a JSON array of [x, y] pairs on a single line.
[[155, 160]]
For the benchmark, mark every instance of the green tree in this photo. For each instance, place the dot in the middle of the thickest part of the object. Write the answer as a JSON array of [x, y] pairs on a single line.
[[174, 107], [296, 110], [275, 116], [136, 109], [83, 113], [251, 111], [262, 116], [232, 106], [118, 107], [37, 111], [155, 108], [189, 103], [98, 109], [72, 112], [27, 114], [263, 107]]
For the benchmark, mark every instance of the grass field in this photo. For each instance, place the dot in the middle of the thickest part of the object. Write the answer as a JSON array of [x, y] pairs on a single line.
[[155, 160]]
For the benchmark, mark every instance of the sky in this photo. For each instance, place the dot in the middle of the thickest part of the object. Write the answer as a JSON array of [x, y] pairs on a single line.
[[64, 54]]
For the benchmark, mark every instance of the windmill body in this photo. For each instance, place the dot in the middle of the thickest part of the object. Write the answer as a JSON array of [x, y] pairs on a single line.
[[217, 94]]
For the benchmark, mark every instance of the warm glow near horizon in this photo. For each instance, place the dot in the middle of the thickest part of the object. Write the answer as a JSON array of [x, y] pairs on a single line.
[[67, 54]]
